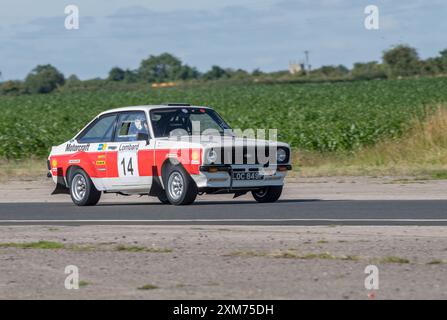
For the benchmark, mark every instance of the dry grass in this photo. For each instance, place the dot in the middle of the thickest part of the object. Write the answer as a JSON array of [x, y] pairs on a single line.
[[23, 169], [421, 152]]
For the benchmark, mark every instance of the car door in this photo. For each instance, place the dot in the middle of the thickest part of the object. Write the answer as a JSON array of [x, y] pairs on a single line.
[[131, 154], [94, 160]]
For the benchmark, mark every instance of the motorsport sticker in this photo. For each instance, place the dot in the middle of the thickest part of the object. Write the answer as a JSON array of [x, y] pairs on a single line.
[[54, 163], [129, 147], [100, 163], [72, 161], [101, 156], [77, 147], [102, 146], [112, 147]]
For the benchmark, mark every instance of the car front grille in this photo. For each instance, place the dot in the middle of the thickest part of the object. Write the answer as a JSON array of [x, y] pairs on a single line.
[[243, 155]]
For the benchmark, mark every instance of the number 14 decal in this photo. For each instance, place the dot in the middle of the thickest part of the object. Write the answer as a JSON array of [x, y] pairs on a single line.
[[129, 166]]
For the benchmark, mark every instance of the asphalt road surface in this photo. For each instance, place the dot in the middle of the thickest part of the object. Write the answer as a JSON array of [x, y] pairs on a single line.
[[285, 212]]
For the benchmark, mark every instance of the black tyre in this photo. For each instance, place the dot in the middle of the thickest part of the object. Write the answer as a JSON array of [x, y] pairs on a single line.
[[267, 194], [163, 198], [82, 189], [180, 188]]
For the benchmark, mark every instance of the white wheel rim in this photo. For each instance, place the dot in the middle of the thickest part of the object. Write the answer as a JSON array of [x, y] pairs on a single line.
[[78, 187], [175, 185]]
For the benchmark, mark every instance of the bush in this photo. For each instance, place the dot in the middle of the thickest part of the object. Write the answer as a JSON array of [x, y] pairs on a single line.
[[11, 87]]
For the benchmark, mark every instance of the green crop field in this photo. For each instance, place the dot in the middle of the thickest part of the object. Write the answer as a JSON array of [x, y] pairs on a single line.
[[320, 117]]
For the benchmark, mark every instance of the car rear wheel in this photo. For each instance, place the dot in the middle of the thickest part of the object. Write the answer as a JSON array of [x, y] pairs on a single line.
[[180, 188], [82, 189], [267, 194]]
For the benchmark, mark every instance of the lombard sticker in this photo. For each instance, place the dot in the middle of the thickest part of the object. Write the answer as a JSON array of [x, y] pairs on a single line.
[[71, 147], [129, 147]]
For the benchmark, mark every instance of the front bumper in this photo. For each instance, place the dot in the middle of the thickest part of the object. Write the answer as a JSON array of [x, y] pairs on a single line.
[[221, 176]]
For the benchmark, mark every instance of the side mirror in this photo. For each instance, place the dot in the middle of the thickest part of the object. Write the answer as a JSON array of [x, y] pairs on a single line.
[[142, 136]]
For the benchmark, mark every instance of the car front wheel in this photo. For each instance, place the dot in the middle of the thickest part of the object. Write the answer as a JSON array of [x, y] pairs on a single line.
[[267, 194], [82, 189], [180, 188]]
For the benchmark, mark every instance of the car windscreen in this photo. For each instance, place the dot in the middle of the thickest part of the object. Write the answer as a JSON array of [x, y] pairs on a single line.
[[187, 121]]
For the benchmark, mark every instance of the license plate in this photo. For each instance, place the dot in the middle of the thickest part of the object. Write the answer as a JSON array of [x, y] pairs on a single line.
[[247, 176]]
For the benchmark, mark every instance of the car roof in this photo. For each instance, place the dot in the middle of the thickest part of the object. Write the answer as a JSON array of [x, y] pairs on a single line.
[[151, 107]]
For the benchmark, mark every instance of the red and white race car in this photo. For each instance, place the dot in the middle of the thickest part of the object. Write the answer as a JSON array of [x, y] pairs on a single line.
[[173, 152]]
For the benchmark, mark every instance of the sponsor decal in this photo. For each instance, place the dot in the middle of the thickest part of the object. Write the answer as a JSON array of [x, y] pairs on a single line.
[[112, 147], [101, 156], [102, 146], [74, 161], [71, 147], [100, 163], [54, 163], [129, 147], [195, 157]]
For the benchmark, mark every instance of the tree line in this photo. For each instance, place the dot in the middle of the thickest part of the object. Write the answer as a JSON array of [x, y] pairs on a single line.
[[399, 61]]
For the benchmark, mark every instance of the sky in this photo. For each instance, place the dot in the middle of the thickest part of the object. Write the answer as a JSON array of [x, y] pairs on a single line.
[[246, 34]]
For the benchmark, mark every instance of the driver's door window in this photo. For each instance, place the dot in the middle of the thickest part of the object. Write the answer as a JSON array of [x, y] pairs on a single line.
[[130, 124]]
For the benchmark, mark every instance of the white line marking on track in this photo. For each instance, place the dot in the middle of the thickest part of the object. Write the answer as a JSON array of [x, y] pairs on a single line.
[[225, 220]]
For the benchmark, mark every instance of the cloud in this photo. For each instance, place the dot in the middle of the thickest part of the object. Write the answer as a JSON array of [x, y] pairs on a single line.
[[240, 36]]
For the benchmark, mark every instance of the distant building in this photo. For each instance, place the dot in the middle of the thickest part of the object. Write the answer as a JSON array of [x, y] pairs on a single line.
[[295, 67]]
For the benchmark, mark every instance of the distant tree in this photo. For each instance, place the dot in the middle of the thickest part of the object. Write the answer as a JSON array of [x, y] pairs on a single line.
[[367, 71], [402, 61], [330, 72], [431, 66], [187, 73], [237, 74], [161, 68], [215, 73], [44, 79], [11, 87], [130, 76], [257, 72], [442, 61], [73, 78], [116, 74]]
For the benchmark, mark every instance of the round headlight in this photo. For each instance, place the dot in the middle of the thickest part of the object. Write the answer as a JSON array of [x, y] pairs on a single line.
[[211, 156], [281, 155]]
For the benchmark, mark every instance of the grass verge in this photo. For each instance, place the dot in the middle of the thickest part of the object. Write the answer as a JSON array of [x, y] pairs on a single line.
[[33, 245], [291, 254], [43, 244], [147, 287], [141, 249]]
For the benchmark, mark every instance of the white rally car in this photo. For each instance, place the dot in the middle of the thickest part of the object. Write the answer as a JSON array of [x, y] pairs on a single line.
[[173, 152]]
